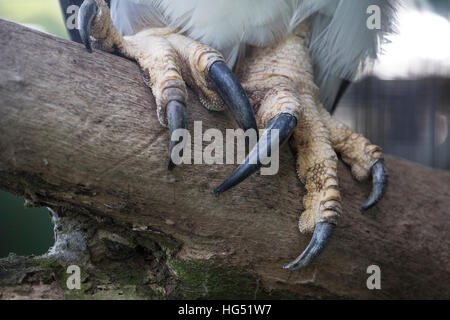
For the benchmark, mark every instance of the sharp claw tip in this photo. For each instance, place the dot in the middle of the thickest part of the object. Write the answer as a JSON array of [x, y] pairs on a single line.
[[221, 189], [86, 42], [217, 191], [290, 267], [286, 266], [171, 165], [368, 205]]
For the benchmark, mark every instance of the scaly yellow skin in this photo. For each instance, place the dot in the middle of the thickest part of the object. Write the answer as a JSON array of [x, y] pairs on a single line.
[[278, 79], [355, 150], [170, 59]]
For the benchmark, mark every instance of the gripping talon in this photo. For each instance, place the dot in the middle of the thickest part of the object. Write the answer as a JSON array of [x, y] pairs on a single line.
[[285, 123], [176, 115], [87, 12], [379, 184], [232, 93], [318, 242]]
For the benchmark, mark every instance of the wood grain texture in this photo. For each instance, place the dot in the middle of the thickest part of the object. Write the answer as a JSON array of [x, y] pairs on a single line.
[[81, 129]]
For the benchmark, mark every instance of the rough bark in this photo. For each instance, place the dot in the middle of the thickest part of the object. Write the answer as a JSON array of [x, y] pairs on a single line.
[[79, 134]]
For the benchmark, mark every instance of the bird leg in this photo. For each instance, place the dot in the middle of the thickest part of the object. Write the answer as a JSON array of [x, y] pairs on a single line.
[[171, 61], [280, 84]]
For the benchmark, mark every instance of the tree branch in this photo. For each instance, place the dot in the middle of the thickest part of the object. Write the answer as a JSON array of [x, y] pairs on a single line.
[[79, 134]]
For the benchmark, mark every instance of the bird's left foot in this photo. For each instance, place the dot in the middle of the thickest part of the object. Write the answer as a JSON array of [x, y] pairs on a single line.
[[279, 82], [171, 61]]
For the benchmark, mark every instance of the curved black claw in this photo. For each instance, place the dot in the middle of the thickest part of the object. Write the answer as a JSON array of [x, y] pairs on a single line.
[[86, 14], [176, 116], [319, 240], [285, 123], [230, 90], [379, 184]]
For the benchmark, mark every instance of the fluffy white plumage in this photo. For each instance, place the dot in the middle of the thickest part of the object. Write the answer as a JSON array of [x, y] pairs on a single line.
[[341, 43]]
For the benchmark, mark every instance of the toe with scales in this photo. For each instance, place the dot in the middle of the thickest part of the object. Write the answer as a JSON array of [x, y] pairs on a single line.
[[279, 82], [171, 60], [364, 158], [276, 78]]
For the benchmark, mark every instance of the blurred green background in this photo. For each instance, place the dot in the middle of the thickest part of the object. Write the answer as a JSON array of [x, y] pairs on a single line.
[[44, 15], [28, 231]]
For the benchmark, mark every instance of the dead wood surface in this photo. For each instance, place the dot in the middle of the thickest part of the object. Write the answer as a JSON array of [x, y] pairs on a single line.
[[80, 130]]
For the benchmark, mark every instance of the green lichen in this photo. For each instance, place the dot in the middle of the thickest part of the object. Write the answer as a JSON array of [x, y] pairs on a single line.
[[119, 264], [215, 279]]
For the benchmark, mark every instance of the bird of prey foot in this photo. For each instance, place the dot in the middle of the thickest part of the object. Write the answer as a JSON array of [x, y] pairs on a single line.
[[171, 61], [285, 96], [290, 57]]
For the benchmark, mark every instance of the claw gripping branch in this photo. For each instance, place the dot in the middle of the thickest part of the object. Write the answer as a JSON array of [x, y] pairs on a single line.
[[171, 61], [279, 80]]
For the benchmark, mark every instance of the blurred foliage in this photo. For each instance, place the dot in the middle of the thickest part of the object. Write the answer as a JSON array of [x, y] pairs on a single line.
[[28, 231], [44, 15]]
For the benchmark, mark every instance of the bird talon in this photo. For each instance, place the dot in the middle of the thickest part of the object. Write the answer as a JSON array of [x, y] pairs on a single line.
[[230, 90], [379, 184], [176, 116], [319, 240], [87, 13], [285, 123]]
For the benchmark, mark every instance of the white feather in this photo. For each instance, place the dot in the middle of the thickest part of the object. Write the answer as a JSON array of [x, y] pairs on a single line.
[[340, 40]]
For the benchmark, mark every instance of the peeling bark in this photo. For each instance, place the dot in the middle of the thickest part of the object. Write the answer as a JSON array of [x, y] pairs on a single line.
[[79, 134]]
